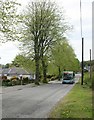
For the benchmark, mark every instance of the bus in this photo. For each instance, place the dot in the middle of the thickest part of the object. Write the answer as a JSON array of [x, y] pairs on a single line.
[[68, 77]]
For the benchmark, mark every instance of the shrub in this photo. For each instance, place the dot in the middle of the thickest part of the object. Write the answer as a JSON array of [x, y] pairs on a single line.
[[14, 77], [49, 76], [54, 78], [18, 82], [14, 82], [9, 83], [4, 77], [25, 80], [6, 83], [87, 80], [93, 80], [31, 80]]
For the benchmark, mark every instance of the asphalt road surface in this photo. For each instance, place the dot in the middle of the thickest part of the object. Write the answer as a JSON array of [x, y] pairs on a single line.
[[33, 102]]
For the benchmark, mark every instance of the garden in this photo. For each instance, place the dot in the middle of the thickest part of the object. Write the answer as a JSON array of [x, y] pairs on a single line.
[[16, 81]]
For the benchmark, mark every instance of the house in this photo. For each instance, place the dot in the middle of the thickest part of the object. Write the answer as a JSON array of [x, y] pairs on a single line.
[[15, 71]]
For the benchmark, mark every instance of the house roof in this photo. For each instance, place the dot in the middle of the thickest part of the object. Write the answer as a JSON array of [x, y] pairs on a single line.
[[5, 71], [14, 71]]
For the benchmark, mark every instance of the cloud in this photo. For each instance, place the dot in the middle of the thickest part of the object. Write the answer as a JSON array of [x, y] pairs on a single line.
[[8, 51], [77, 46]]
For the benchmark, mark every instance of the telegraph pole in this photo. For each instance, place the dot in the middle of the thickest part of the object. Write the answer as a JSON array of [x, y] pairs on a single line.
[[90, 65], [82, 66], [82, 61]]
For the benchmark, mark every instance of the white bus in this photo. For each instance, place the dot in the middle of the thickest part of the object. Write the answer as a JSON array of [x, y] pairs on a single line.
[[68, 77]]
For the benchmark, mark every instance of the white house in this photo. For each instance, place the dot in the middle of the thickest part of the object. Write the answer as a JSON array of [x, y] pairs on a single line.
[[15, 71]]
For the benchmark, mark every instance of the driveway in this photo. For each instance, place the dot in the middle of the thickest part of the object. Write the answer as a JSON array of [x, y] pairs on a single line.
[[33, 102]]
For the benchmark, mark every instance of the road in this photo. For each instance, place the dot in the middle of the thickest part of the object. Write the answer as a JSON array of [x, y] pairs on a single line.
[[33, 102]]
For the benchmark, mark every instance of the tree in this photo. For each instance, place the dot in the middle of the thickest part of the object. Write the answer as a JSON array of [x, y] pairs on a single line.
[[9, 20], [42, 25], [7, 65], [25, 62], [63, 57]]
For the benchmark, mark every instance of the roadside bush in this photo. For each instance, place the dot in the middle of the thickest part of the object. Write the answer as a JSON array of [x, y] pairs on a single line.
[[6, 83], [25, 80], [49, 76], [14, 77], [93, 68], [14, 82], [93, 80], [31, 80], [4, 77], [9, 83], [18, 82], [54, 78], [87, 80]]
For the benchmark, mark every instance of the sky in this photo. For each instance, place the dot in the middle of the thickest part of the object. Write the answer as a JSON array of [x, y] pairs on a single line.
[[9, 50], [93, 31]]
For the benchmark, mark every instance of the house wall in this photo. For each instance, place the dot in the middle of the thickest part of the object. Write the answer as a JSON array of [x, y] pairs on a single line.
[[23, 76]]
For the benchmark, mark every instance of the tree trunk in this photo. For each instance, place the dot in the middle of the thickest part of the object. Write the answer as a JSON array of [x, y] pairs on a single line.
[[44, 71], [36, 62], [37, 72], [59, 71]]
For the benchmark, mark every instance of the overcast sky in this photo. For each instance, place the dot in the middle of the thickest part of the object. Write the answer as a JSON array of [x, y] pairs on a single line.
[[9, 50]]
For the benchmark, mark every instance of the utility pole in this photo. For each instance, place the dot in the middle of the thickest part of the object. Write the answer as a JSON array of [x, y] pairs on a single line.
[[90, 66], [82, 61], [82, 67]]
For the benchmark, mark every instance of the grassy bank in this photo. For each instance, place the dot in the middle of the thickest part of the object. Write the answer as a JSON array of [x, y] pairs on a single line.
[[77, 104]]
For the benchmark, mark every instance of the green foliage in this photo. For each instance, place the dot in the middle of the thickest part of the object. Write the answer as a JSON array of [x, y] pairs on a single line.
[[7, 65], [9, 20], [52, 69], [87, 81], [63, 57], [24, 62], [15, 81], [93, 68], [92, 78], [6, 83], [87, 63], [42, 25], [26, 80]]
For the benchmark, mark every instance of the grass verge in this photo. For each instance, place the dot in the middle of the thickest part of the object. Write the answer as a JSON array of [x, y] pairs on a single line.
[[77, 104]]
